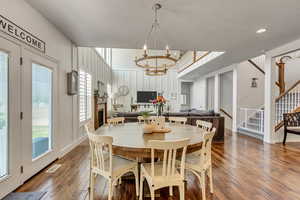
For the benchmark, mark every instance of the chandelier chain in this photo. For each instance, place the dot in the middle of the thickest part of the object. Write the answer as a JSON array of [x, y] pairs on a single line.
[[161, 62]]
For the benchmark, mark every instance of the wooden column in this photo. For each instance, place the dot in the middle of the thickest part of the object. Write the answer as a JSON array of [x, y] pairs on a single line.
[[281, 81], [281, 74]]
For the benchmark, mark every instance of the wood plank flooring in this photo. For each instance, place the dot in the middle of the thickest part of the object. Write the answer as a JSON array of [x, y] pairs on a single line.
[[243, 169]]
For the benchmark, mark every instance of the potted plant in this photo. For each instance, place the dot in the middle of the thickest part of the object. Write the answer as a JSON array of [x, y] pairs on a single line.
[[145, 114]]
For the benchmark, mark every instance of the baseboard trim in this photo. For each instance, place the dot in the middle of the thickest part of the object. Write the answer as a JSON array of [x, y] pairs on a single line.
[[287, 140], [70, 147]]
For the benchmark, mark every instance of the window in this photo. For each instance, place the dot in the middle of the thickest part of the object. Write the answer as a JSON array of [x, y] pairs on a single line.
[[3, 113], [85, 96], [41, 109]]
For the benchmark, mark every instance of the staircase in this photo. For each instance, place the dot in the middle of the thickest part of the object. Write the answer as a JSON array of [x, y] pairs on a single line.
[[252, 122], [287, 102]]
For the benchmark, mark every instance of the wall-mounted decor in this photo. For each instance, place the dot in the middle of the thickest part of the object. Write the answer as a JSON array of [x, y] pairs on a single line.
[[72, 78], [15, 31], [123, 90], [254, 82]]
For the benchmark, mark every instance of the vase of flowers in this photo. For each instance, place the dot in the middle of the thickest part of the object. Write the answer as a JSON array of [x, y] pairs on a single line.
[[159, 102]]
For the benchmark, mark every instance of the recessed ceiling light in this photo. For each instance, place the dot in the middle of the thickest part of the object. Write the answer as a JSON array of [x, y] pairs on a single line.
[[262, 30]]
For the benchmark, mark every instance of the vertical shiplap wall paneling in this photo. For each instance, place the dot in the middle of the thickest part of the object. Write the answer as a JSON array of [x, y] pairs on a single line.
[[136, 80], [90, 61]]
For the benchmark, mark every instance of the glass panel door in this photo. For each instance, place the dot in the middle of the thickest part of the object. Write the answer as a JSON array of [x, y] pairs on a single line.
[[41, 109], [39, 104], [3, 114], [10, 131]]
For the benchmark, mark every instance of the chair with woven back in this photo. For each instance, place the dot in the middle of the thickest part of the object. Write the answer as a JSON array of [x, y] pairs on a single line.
[[200, 163], [206, 126], [164, 173], [105, 164], [291, 124]]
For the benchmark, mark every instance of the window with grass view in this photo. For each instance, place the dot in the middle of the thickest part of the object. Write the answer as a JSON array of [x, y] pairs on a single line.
[[41, 109], [3, 114]]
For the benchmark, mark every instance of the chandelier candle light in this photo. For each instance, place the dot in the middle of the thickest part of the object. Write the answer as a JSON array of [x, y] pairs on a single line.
[[155, 65]]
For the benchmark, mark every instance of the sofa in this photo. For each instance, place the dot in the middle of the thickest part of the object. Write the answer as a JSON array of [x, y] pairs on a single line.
[[192, 116]]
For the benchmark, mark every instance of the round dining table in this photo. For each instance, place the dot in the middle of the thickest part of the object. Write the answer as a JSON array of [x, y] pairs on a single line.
[[130, 142]]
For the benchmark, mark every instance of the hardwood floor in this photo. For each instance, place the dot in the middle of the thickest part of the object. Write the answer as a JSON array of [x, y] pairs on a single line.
[[243, 168]]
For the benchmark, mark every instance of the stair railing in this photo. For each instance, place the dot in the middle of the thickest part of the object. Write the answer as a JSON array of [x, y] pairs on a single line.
[[252, 120], [256, 66], [225, 113], [287, 102]]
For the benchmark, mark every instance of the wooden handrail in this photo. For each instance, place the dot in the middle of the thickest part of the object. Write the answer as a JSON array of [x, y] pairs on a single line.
[[226, 113], [281, 124], [287, 91], [278, 126], [201, 57], [256, 66]]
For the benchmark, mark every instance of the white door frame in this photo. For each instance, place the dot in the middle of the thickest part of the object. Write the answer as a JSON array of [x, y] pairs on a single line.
[[12, 180], [33, 166]]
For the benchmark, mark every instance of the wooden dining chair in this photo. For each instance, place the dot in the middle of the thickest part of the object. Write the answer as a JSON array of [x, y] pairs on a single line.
[[200, 164], [140, 119], [206, 126], [115, 121], [111, 168], [177, 120], [157, 118], [164, 173]]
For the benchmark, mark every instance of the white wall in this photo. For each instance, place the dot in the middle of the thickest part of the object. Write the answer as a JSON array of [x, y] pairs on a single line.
[[226, 91], [226, 96], [198, 94], [125, 72], [251, 97], [246, 96], [186, 92], [61, 49], [136, 80], [90, 61], [210, 94]]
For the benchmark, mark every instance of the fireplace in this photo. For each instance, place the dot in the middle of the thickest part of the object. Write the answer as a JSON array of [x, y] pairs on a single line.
[[101, 117], [100, 113]]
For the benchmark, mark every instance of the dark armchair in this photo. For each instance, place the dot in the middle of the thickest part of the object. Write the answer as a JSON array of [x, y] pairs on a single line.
[[291, 124]]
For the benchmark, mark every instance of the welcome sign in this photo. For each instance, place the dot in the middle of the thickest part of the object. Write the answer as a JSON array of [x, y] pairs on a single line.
[[20, 34]]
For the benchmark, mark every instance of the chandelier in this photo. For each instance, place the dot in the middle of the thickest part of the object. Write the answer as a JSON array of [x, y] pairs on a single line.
[[155, 62]]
